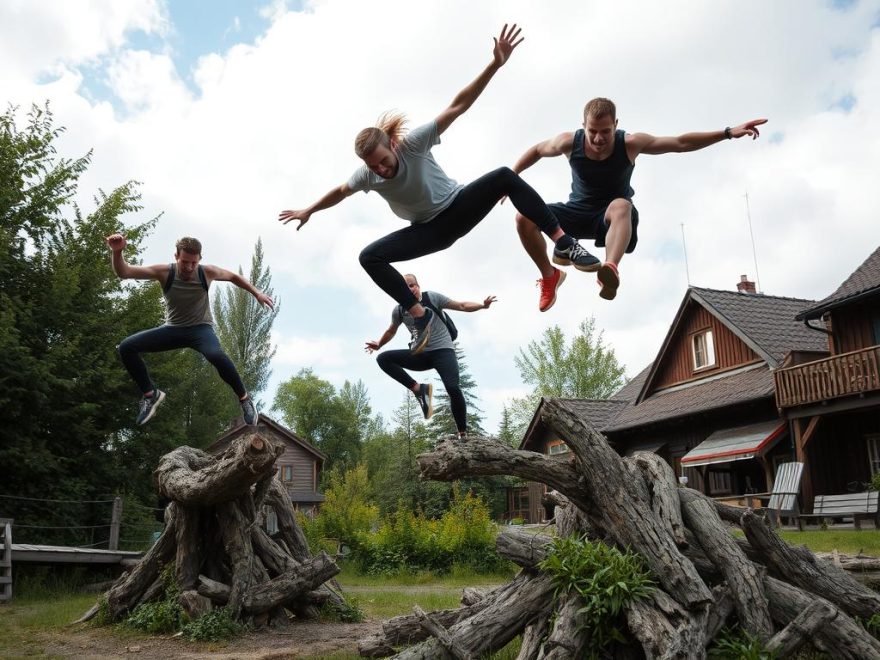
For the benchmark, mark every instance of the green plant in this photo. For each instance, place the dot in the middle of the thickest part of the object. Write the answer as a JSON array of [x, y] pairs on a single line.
[[737, 644], [213, 626], [605, 578], [874, 484], [349, 611], [161, 616]]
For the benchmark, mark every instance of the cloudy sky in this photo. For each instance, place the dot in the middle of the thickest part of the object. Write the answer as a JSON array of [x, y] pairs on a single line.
[[229, 111]]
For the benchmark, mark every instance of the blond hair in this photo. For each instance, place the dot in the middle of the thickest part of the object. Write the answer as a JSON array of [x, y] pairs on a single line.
[[190, 245], [600, 107], [388, 131]]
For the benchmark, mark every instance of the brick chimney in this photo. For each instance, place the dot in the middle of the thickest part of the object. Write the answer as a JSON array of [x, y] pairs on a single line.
[[744, 285]]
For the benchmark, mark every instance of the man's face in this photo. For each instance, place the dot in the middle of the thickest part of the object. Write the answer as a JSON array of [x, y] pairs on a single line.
[[600, 133], [186, 264], [414, 287], [382, 161]]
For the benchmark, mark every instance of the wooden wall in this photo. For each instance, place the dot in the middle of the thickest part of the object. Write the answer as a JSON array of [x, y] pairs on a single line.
[[853, 327]]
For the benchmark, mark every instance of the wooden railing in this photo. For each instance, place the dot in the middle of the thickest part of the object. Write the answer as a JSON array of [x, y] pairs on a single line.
[[837, 376]]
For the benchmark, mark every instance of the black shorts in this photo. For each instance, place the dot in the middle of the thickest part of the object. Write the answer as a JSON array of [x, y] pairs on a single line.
[[586, 222]]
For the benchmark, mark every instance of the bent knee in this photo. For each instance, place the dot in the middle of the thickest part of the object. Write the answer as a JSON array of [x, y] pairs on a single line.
[[619, 208]]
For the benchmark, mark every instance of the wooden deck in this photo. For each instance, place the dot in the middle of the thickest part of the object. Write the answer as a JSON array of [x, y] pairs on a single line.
[[838, 376], [59, 554]]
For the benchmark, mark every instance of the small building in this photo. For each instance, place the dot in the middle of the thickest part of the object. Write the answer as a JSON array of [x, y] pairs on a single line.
[[298, 468]]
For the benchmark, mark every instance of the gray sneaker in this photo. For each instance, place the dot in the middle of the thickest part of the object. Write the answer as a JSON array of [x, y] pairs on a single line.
[[577, 256], [249, 412], [421, 332], [148, 406], [425, 399]]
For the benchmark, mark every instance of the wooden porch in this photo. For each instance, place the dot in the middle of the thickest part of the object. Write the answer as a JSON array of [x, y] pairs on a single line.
[[847, 374]]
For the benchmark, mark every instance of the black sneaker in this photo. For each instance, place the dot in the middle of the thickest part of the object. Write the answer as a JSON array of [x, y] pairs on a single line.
[[149, 405], [421, 332], [424, 398], [248, 412], [575, 255]]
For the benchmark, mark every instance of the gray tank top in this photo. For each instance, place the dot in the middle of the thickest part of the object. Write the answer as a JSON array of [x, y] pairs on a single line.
[[186, 301]]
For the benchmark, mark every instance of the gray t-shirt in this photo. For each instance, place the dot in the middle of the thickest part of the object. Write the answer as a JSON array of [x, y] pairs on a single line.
[[186, 301], [420, 190], [439, 334]]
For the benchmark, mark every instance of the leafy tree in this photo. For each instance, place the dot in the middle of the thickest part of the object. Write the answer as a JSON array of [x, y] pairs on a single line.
[[347, 510], [244, 326], [442, 422]]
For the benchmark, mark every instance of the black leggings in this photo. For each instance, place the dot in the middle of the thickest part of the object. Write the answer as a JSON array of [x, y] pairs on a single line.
[[471, 205], [167, 337], [443, 360]]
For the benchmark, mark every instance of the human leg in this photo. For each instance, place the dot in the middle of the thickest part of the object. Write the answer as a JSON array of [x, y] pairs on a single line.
[[393, 363], [446, 363], [618, 218], [206, 342], [154, 340]]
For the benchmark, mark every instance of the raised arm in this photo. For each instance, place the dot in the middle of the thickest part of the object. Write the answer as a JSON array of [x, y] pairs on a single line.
[[125, 271], [556, 146], [387, 336], [639, 143], [470, 306], [504, 46], [332, 198], [223, 275]]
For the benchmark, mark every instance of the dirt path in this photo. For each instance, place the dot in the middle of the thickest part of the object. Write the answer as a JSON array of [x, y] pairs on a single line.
[[302, 640]]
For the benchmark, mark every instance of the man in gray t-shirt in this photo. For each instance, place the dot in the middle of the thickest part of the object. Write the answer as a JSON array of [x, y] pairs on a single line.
[[439, 352]]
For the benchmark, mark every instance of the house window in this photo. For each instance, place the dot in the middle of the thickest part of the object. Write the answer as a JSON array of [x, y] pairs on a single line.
[[720, 483], [287, 473], [558, 448], [875, 326], [704, 350], [873, 441]]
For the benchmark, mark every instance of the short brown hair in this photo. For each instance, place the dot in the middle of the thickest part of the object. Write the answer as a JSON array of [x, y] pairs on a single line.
[[600, 107], [190, 245], [389, 130]]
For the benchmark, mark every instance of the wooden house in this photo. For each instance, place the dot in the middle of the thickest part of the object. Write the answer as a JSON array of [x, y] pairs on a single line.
[[707, 402], [299, 467], [832, 399]]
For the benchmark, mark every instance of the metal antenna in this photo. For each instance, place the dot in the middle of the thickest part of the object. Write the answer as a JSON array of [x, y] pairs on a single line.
[[684, 245], [752, 235]]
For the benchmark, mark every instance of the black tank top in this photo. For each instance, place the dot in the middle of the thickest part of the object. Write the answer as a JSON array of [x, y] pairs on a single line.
[[596, 183]]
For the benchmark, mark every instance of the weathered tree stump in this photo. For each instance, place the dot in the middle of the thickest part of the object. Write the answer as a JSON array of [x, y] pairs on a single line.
[[705, 577], [221, 555]]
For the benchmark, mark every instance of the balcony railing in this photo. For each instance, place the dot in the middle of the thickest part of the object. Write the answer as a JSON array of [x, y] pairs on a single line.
[[841, 375]]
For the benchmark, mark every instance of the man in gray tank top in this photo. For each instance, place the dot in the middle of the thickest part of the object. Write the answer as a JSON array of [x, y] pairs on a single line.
[[600, 206], [188, 320]]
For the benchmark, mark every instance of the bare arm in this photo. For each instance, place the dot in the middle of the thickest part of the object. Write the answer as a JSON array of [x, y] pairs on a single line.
[[556, 146], [223, 275], [125, 271], [331, 198], [387, 336], [638, 143], [470, 306], [504, 46]]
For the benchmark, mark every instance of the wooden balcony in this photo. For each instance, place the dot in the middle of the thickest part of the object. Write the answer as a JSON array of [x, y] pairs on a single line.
[[847, 374]]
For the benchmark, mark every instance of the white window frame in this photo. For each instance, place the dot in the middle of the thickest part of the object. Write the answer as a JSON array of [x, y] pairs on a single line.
[[703, 342], [555, 450]]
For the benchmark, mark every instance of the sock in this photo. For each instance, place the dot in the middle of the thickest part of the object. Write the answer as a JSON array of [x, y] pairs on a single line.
[[565, 242]]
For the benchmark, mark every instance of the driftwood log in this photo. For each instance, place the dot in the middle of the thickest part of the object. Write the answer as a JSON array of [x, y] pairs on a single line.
[[706, 578], [214, 538]]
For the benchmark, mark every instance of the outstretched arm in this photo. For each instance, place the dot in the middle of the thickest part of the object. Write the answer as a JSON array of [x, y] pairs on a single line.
[[332, 198], [387, 336], [504, 46], [638, 143], [223, 275], [556, 146], [470, 306], [125, 271]]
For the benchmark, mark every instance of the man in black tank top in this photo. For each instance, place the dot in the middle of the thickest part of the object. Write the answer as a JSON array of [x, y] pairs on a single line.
[[188, 322], [600, 205]]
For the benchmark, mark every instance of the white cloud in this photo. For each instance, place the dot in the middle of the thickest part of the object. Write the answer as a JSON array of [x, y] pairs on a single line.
[[272, 125]]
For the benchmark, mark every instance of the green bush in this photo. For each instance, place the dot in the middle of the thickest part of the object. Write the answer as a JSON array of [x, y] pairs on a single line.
[[213, 626], [737, 644], [605, 578], [161, 616], [345, 513]]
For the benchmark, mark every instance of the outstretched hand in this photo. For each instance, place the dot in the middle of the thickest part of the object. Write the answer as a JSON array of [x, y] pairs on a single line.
[[116, 242], [505, 44], [488, 301], [266, 301], [749, 128], [371, 346], [288, 215]]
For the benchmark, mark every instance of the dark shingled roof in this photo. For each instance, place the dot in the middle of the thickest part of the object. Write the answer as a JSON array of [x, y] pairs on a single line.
[[739, 386], [864, 281], [630, 391], [598, 412], [766, 323]]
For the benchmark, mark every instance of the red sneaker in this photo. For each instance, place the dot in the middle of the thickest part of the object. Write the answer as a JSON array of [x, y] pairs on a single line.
[[609, 279], [548, 289]]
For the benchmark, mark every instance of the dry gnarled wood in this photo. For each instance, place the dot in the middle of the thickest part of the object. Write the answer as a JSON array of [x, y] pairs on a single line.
[[216, 503]]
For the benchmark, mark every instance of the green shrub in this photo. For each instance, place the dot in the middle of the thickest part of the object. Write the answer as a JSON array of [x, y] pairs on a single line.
[[874, 484], [605, 578], [348, 612], [737, 644], [213, 626], [161, 616]]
